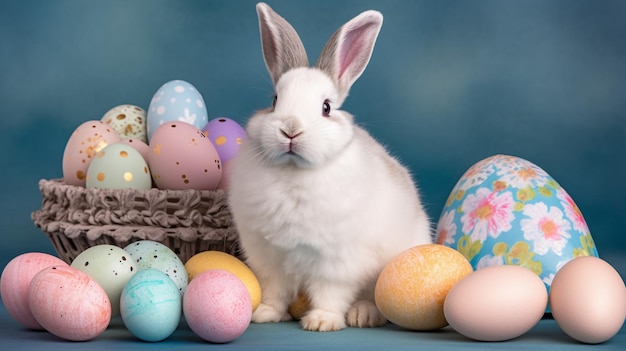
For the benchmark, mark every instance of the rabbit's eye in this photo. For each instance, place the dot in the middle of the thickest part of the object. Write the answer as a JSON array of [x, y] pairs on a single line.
[[326, 108], [274, 100]]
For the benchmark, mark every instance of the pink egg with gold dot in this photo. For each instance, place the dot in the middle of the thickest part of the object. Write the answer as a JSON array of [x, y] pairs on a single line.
[[69, 303], [217, 306], [84, 143], [15, 280], [226, 135], [181, 157]]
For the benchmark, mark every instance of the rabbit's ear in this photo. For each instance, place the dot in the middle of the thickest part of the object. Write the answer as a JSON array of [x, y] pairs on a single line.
[[348, 51], [282, 47]]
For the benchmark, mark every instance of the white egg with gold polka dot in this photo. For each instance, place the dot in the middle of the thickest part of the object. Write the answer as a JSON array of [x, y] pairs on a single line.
[[119, 166], [226, 135], [129, 121]]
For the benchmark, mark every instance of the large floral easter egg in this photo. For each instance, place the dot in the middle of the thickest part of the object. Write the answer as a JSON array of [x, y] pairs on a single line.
[[507, 211]]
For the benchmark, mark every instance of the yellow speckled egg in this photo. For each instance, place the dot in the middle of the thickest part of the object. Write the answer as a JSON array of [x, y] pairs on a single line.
[[209, 260], [411, 289]]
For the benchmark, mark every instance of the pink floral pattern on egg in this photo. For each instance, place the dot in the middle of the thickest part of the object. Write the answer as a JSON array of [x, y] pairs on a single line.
[[507, 210], [181, 157]]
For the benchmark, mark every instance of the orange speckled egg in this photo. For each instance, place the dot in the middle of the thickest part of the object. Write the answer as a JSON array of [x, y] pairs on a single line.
[[69, 303], [411, 289]]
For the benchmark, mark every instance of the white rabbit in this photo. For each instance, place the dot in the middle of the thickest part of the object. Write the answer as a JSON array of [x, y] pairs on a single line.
[[320, 206]]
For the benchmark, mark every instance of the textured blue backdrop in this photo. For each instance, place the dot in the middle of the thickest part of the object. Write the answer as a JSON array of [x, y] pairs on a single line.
[[450, 83]]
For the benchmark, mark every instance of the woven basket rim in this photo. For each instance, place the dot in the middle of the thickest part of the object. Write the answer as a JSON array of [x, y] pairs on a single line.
[[189, 218]]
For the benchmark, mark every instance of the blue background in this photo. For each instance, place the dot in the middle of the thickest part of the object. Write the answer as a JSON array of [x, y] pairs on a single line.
[[450, 83]]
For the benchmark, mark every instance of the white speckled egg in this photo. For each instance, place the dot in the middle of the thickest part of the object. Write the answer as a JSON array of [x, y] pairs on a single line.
[[119, 166], [182, 157], [84, 143], [129, 121], [110, 266], [152, 254], [176, 100], [151, 305]]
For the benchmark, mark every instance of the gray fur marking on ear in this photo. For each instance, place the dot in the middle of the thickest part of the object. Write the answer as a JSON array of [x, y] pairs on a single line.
[[282, 47]]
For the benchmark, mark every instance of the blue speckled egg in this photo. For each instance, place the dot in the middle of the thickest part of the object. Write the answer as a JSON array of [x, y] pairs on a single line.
[[153, 254], [176, 100], [151, 305], [507, 210]]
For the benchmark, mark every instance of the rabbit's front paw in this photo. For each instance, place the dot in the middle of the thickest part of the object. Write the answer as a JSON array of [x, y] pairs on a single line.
[[320, 320], [364, 314], [268, 314]]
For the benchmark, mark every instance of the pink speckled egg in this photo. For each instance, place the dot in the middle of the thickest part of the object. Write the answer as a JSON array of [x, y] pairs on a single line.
[[217, 306], [69, 303], [181, 157], [86, 141], [138, 145], [226, 135], [15, 280]]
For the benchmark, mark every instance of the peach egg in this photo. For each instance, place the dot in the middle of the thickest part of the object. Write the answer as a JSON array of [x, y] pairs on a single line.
[[588, 300], [16, 278], [411, 289]]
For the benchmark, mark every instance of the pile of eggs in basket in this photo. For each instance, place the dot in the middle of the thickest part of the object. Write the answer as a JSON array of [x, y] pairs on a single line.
[[144, 283], [171, 146]]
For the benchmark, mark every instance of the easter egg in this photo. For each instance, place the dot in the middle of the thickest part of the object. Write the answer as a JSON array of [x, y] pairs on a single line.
[[217, 306], [226, 135], [151, 305], [118, 166], [507, 211], [588, 300], [110, 266], [300, 306], [412, 287], [69, 303], [153, 254], [129, 121], [208, 260], [181, 157], [138, 145], [15, 280], [84, 143], [496, 303], [176, 100]]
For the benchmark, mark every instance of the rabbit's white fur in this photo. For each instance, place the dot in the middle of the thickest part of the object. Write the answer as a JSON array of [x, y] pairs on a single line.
[[320, 206]]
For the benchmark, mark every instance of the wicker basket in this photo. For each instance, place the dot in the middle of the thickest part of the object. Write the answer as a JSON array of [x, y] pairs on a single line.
[[187, 221]]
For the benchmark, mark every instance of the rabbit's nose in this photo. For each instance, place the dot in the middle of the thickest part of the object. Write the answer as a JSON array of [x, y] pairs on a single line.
[[290, 134]]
